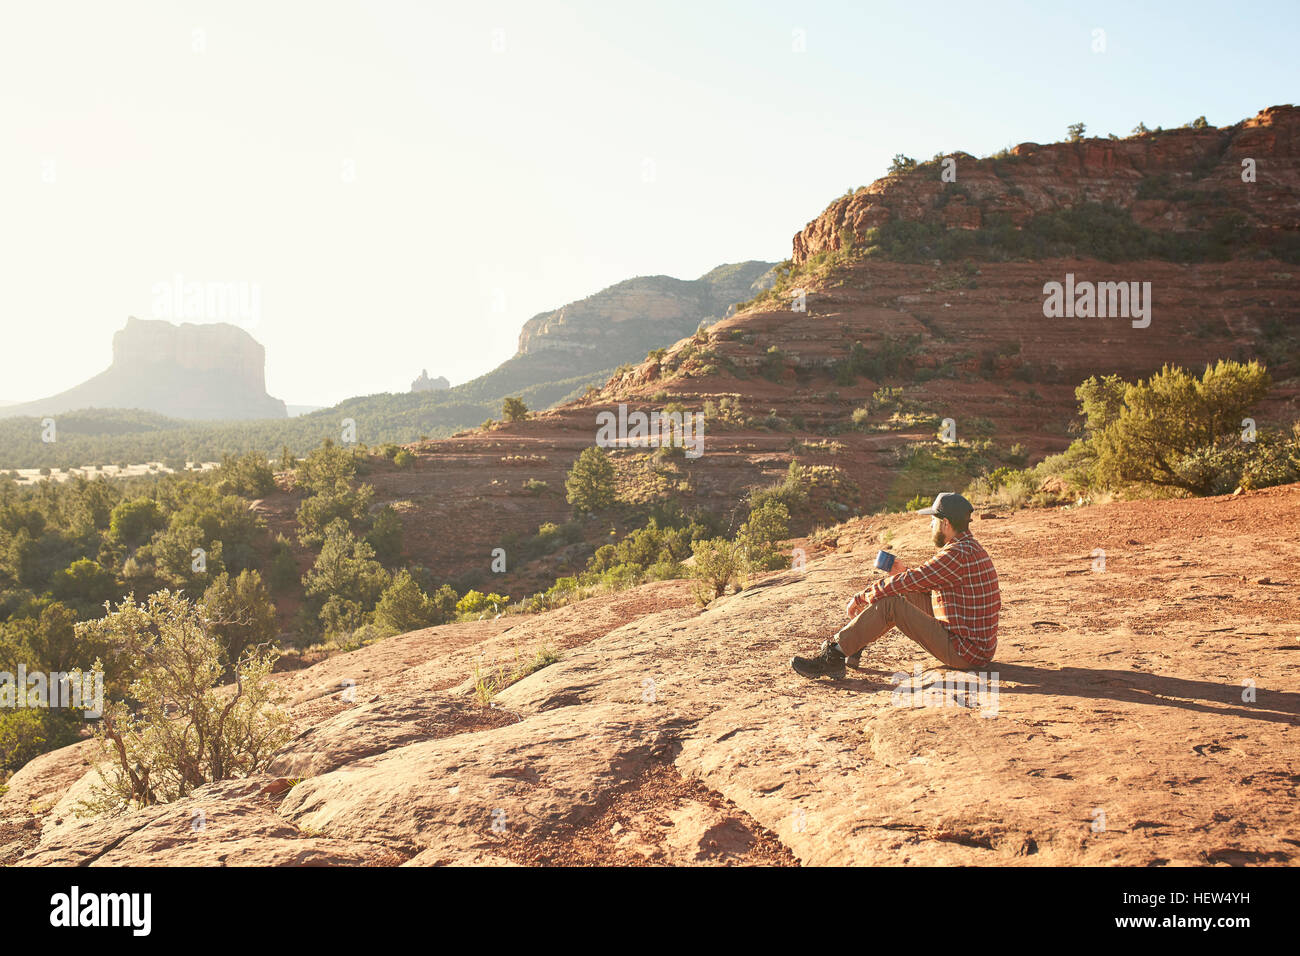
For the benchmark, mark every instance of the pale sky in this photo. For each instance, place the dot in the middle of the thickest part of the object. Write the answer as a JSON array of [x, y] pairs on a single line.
[[405, 184]]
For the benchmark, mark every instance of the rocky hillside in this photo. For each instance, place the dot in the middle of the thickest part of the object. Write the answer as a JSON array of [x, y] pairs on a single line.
[[961, 339], [1141, 716], [642, 313], [1176, 182], [208, 371]]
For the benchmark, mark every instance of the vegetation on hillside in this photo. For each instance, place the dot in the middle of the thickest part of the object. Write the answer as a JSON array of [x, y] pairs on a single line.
[[1173, 433]]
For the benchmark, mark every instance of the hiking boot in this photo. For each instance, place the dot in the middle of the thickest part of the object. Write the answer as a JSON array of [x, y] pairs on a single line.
[[829, 662]]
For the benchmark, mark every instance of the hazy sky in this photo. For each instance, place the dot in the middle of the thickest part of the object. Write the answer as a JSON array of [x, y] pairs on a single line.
[[404, 184]]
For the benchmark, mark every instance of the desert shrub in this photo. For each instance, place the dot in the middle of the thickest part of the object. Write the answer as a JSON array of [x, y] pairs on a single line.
[[172, 556], [282, 573], [718, 564], [385, 536], [44, 640], [1014, 488], [1163, 420], [340, 618], [490, 681], [514, 410], [180, 732], [646, 547], [861, 416], [773, 364], [135, 520], [403, 459], [476, 602], [1231, 463], [345, 571], [249, 475], [319, 511], [590, 484], [551, 536], [405, 607], [240, 614], [328, 469], [767, 525], [1073, 469], [901, 164], [224, 524], [792, 492], [534, 486], [28, 732], [84, 584]]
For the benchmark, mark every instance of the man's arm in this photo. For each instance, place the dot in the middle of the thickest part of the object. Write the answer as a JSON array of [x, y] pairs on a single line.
[[943, 568]]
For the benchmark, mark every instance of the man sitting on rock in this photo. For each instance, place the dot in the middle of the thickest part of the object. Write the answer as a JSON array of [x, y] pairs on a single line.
[[958, 623]]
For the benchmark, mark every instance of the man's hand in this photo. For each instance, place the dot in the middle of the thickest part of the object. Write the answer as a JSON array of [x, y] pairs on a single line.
[[898, 567], [857, 604]]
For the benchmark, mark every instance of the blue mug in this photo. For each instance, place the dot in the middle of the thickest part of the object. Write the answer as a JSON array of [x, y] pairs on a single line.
[[884, 560]]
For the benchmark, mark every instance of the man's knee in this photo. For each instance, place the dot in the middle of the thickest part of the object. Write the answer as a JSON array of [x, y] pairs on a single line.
[[890, 605]]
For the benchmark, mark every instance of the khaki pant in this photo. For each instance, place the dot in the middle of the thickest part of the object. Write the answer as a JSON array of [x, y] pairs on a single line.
[[913, 614]]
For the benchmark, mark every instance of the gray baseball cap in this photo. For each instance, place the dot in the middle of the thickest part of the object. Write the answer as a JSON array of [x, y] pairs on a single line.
[[949, 505]]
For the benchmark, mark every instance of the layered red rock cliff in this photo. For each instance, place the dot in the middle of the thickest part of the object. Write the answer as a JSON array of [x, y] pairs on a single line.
[[1188, 173]]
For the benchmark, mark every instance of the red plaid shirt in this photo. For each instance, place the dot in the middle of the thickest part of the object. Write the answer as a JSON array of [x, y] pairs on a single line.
[[966, 595]]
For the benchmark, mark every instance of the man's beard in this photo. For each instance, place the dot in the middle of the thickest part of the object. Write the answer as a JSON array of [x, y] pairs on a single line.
[[938, 539]]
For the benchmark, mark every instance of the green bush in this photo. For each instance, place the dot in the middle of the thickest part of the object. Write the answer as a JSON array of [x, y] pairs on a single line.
[[328, 469], [476, 602], [282, 574], [1161, 421], [718, 565], [345, 571], [249, 474], [767, 525], [135, 520], [240, 614], [319, 511], [28, 732], [405, 607], [180, 731], [385, 536], [1229, 464], [85, 584], [514, 410], [590, 484], [646, 547], [792, 492], [901, 164]]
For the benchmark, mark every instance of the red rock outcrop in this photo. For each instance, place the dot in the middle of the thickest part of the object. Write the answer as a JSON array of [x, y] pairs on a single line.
[[1199, 169]]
